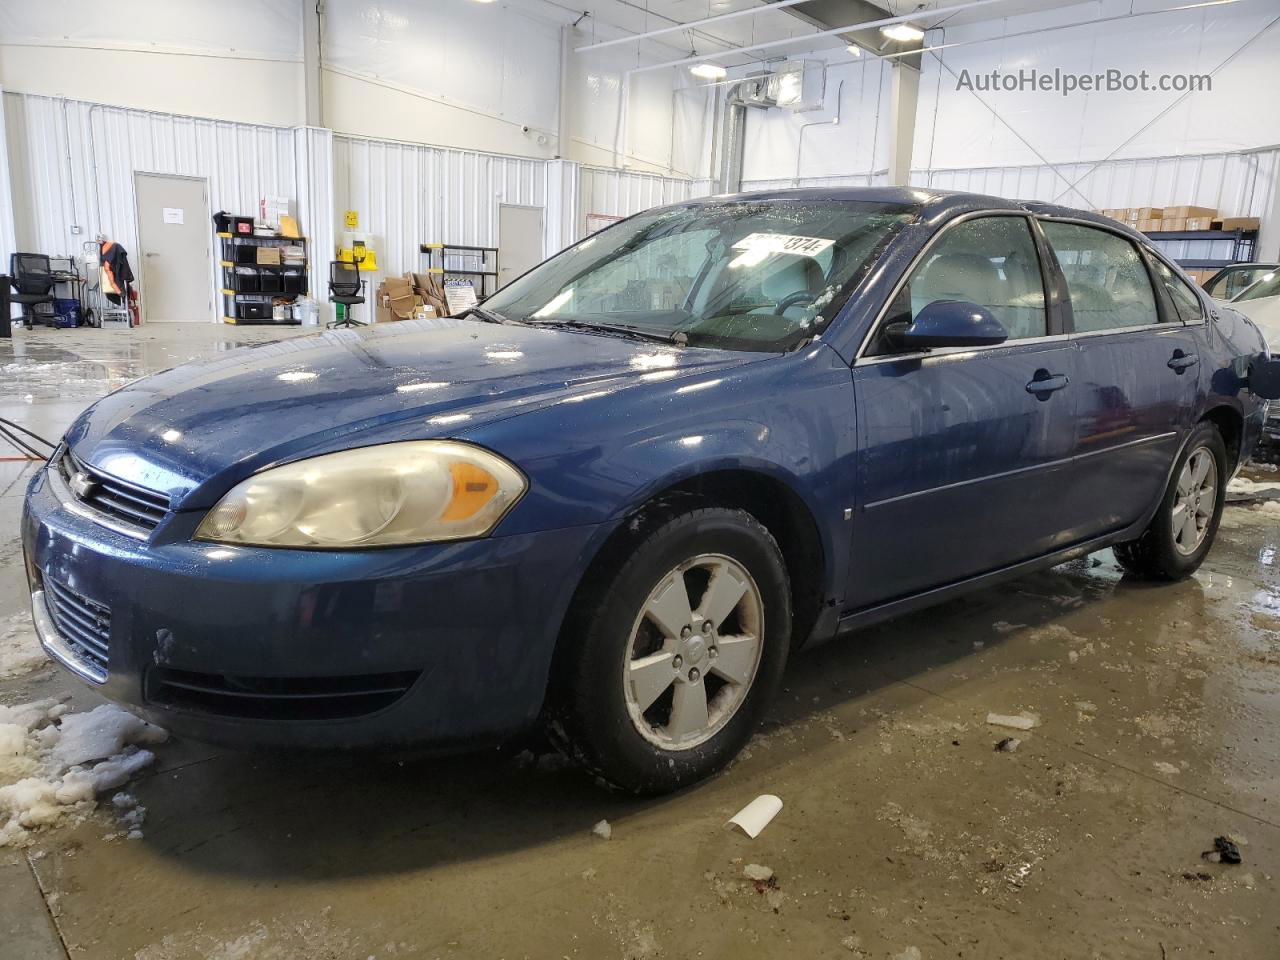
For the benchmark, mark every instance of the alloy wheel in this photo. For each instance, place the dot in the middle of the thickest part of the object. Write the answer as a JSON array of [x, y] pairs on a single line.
[[694, 652], [1194, 501]]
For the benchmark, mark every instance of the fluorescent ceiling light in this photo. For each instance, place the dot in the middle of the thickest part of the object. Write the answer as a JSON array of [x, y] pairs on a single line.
[[903, 32], [854, 49], [709, 71]]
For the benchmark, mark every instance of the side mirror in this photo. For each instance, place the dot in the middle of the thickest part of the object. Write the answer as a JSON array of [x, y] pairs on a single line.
[[1264, 377], [948, 323]]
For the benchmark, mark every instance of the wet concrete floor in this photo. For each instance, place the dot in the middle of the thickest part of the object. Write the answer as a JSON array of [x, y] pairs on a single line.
[[904, 835]]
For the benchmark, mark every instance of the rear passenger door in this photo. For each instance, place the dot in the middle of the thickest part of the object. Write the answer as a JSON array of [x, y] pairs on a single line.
[[962, 451], [1138, 373]]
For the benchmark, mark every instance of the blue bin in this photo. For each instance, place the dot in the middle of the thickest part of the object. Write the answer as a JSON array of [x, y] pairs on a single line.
[[66, 312]]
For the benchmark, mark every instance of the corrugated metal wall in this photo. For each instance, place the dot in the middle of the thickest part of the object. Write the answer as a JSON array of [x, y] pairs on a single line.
[[406, 194], [78, 160], [71, 165], [1236, 184]]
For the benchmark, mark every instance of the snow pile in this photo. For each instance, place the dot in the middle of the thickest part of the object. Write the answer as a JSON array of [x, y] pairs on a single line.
[[20, 650], [53, 764]]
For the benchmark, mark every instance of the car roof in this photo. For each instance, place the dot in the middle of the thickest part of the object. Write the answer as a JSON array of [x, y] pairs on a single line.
[[932, 203]]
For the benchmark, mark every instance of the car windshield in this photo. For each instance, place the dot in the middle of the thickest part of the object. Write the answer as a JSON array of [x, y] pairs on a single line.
[[745, 275], [1268, 285]]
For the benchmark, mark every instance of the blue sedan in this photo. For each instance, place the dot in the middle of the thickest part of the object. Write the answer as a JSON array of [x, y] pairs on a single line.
[[616, 496]]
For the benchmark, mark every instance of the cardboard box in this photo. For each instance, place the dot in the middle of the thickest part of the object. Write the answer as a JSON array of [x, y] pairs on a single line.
[[268, 257], [1148, 213], [1199, 223], [1149, 225], [1177, 212], [1240, 223], [1174, 223]]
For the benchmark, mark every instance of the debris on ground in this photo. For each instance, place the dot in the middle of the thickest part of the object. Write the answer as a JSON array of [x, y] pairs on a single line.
[[1168, 769], [1224, 850], [1008, 745], [756, 871], [910, 953], [756, 815], [1198, 875], [1004, 626], [1022, 721], [53, 764], [20, 651], [603, 830]]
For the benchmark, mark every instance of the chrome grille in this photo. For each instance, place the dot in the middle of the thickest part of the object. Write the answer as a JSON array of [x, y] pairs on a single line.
[[122, 501], [83, 623]]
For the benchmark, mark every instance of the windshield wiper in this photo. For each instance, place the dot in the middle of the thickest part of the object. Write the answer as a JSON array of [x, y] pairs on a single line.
[[635, 333], [488, 316]]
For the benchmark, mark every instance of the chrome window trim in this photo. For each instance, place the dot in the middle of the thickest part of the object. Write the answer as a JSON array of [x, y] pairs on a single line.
[[858, 357], [67, 500], [959, 353]]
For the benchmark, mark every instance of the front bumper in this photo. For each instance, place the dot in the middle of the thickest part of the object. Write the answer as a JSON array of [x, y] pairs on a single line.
[[438, 645]]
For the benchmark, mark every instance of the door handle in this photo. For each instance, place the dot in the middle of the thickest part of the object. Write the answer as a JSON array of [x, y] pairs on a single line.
[[1182, 361], [1045, 383], [151, 254]]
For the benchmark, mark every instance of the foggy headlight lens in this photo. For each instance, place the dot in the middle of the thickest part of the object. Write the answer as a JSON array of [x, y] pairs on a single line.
[[394, 494]]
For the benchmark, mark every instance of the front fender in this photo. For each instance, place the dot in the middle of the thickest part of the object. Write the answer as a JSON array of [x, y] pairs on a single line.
[[598, 459]]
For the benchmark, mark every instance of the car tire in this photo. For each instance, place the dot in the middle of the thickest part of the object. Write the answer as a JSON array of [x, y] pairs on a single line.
[[634, 653], [1182, 531]]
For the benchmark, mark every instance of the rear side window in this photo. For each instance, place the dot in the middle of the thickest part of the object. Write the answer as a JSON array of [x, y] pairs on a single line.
[[990, 261], [1106, 278], [1184, 301]]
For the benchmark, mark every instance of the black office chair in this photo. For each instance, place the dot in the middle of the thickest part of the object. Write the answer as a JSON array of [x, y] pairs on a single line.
[[32, 281], [344, 288]]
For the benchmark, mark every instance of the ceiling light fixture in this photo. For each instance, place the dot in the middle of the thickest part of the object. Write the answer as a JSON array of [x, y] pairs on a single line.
[[709, 71], [903, 32], [854, 49]]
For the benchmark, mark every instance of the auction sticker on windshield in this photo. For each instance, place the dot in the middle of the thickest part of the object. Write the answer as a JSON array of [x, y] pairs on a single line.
[[783, 243]]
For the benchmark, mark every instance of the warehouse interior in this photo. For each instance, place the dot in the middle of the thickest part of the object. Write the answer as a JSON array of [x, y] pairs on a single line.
[[182, 179]]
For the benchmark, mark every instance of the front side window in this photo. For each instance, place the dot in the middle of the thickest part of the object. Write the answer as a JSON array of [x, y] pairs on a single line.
[[1106, 278], [1184, 300], [745, 275], [992, 262]]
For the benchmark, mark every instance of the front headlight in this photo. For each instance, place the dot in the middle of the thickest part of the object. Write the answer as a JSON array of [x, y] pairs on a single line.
[[389, 495]]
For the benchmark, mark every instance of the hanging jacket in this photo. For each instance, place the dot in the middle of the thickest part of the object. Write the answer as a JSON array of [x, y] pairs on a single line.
[[117, 275]]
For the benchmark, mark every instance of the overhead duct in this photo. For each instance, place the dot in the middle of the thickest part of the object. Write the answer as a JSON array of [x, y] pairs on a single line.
[[797, 85]]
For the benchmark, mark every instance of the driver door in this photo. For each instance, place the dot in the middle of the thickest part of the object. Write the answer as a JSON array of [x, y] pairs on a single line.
[[961, 449]]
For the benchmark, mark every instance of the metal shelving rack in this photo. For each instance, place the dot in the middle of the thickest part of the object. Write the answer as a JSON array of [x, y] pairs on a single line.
[[1245, 242], [476, 264], [232, 297]]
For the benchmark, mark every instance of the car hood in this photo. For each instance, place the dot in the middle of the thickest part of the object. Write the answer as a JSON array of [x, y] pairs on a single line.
[[1265, 312], [413, 379]]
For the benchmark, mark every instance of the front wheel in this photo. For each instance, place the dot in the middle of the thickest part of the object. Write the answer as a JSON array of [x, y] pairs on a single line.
[[1180, 534], [669, 661]]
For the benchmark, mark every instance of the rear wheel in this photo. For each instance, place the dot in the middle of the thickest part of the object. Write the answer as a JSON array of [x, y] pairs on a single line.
[[670, 659], [1183, 528]]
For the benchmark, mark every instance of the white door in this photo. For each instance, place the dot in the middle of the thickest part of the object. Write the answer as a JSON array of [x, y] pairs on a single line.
[[519, 240], [174, 232]]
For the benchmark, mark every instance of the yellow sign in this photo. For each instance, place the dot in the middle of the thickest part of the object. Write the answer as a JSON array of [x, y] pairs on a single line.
[[352, 220]]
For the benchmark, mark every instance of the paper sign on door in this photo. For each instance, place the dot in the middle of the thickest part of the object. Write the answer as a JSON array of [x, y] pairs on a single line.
[[173, 215]]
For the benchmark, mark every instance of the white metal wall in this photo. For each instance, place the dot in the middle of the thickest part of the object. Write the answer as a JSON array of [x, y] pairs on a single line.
[[1236, 184], [406, 194], [620, 193], [72, 165]]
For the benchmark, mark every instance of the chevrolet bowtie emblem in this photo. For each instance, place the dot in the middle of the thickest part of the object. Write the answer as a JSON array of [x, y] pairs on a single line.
[[82, 485]]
